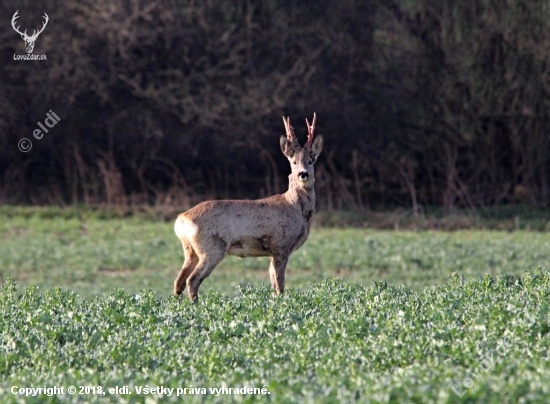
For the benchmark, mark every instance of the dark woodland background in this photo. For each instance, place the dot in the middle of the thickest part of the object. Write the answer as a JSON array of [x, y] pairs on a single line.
[[169, 102]]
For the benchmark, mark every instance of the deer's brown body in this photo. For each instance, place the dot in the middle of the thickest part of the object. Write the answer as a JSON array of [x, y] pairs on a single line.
[[272, 227]]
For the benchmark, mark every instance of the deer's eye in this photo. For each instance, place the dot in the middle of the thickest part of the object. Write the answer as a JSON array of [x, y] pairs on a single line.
[[294, 162], [311, 162]]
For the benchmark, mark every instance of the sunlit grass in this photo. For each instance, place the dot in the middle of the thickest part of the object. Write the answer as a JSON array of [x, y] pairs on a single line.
[[486, 340], [93, 256], [413, 318]]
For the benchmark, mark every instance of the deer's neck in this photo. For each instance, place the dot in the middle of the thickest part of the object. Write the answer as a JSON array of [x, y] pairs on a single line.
[[302, 198]]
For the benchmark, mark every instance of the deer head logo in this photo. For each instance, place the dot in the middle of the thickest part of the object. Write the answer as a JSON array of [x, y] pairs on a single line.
[[29, 40]]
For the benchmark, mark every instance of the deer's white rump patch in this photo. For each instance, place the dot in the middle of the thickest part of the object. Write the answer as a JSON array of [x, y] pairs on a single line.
[[185, 228]]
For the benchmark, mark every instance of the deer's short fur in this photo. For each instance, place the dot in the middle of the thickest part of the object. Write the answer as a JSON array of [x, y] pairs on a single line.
[[272, 227]]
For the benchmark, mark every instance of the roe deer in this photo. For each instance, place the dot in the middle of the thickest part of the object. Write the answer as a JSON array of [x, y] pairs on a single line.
[[272, 227]]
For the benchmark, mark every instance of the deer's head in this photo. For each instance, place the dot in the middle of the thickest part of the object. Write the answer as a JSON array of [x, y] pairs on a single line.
[[29, 40], [302, 159]]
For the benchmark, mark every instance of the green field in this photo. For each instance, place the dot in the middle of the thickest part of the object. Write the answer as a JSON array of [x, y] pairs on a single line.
[[91, 256], [413, 317]]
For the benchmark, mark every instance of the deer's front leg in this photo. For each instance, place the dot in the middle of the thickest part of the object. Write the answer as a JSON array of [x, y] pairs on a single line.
[[277, 266]]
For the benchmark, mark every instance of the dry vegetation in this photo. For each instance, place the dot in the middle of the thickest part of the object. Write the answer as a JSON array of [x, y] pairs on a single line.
[[164, 103]]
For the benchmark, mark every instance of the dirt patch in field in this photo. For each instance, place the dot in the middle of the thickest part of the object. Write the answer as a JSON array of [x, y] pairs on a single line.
[[115, 272]]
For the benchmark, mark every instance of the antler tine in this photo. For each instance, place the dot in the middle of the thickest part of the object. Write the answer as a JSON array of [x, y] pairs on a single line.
[[289, 129], [13, 22], [44, 23], [310, 130]]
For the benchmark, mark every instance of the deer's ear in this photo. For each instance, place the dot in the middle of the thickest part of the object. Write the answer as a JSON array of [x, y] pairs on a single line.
[[317, 146], [286, 147]]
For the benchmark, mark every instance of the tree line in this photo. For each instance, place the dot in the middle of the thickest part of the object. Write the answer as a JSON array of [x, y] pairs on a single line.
[[421, 102]]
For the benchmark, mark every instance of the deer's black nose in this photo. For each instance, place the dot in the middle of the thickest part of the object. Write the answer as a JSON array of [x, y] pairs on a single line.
[[303, 175]]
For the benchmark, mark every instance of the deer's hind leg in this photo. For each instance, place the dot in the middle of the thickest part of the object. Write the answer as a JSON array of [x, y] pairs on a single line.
[[210, 252], [191, 261]]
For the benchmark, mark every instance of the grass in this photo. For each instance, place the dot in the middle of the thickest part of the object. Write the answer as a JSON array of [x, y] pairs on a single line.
[[424, 317], [505, 217], [91, 256], [485, 340]]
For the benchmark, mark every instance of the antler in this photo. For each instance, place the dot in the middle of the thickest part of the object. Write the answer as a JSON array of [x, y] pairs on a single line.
[[310, 130], [289, 130], [35, 34], [15, 17]]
